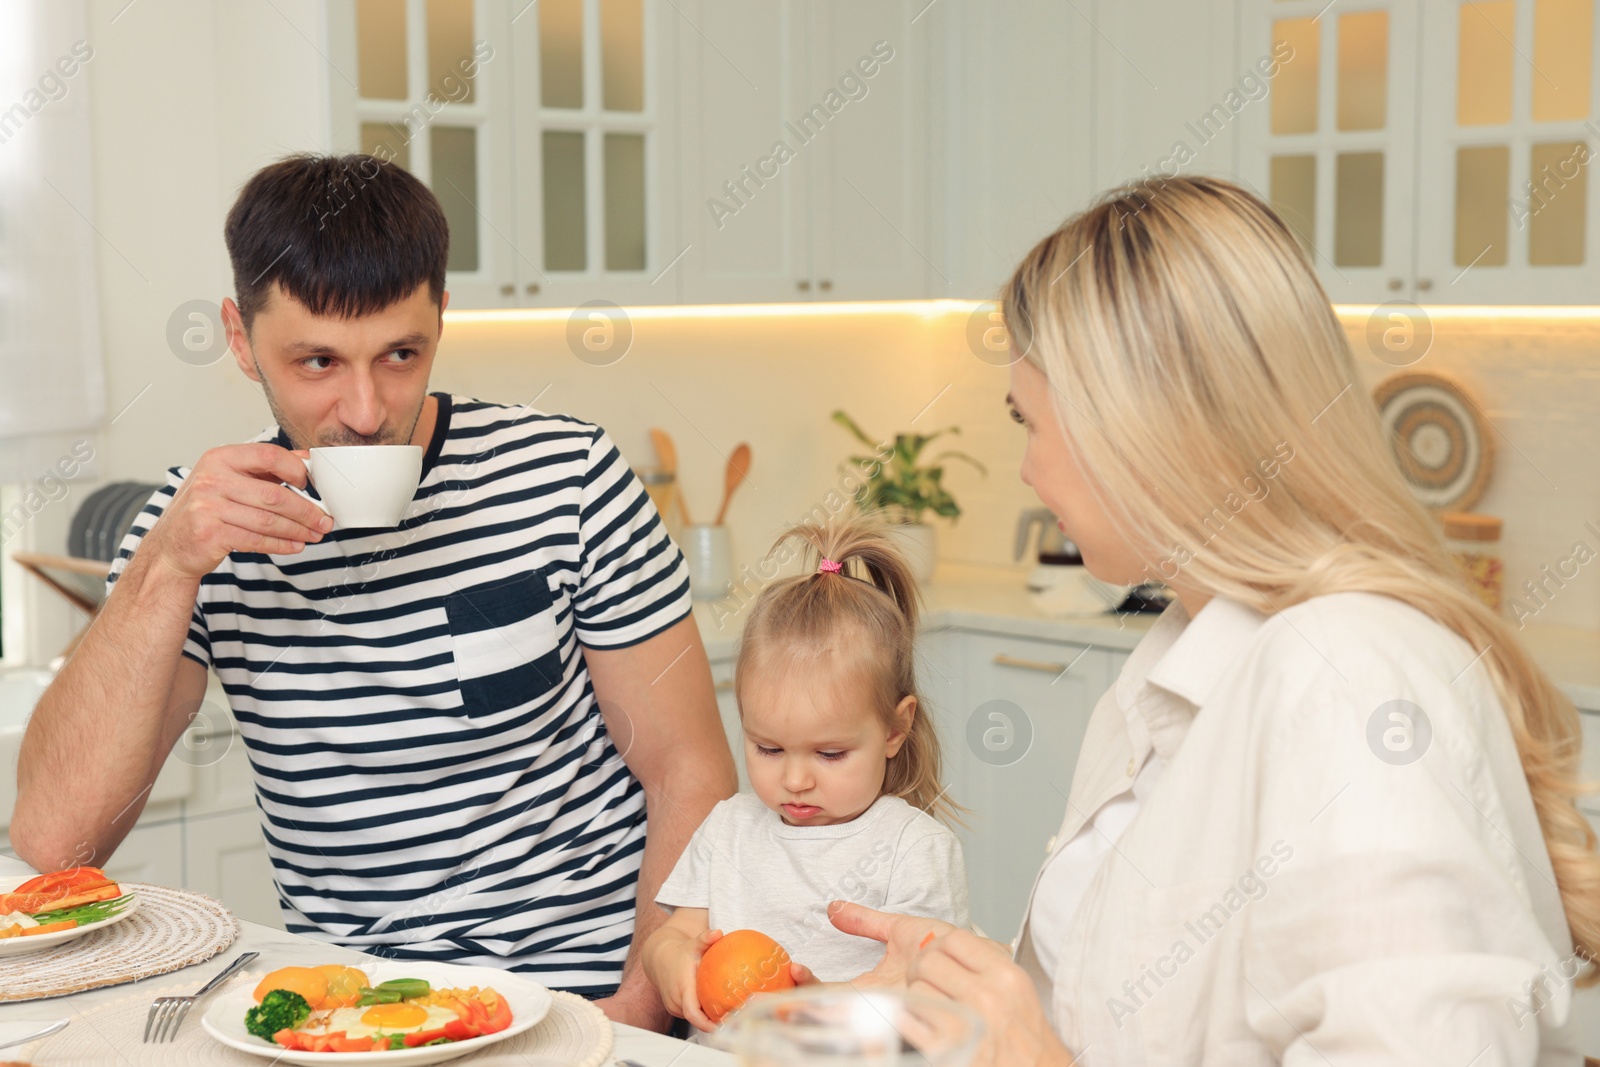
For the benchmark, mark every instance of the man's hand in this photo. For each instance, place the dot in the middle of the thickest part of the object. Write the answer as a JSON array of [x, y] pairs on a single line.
[[233, 501], [636, 1006], [661, 712]]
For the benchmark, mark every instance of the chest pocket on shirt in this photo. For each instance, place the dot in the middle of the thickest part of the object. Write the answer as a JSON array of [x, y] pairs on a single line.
[[506, 643]]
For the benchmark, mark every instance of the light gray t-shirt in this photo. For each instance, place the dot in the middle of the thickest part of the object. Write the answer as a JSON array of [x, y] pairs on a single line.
[[753, 871]]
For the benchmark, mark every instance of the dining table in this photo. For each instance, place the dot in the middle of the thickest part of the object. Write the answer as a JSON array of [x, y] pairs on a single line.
[[279, 948]]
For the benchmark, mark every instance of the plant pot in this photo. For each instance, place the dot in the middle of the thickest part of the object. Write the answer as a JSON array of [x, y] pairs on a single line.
[[920, 544]]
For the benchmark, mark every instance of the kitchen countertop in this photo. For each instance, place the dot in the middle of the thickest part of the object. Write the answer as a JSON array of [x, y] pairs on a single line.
[[964, 596], [961, 596]]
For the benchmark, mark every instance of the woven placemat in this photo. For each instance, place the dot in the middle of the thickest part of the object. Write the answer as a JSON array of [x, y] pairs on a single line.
[[574, 1034], [173, 928]]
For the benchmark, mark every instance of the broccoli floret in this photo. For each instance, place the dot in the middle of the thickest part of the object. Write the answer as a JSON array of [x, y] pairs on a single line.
[[280, 1009]]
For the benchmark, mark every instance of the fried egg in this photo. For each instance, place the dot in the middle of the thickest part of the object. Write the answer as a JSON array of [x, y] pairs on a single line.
[[401, 1018]]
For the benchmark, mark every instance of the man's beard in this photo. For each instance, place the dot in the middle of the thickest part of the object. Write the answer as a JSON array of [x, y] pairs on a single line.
[[341, 436]]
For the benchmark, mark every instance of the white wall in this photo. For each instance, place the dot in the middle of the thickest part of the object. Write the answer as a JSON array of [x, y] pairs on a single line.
[[190, 98]]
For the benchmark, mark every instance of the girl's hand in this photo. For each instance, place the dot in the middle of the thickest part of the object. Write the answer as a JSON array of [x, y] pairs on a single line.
[[672, 967], [930, 957]]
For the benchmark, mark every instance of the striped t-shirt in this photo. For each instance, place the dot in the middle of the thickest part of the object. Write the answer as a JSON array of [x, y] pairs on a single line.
[[433, 775]]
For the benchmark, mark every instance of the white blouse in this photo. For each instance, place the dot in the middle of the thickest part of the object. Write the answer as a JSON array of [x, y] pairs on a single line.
[[1071, 866], [1336, 858]]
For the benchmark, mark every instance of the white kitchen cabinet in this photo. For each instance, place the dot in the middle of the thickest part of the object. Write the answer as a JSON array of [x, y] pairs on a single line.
[[728, 709], [1026, 705], [745, 208], [804, 166], [1586, 1002], [595, 142], [1407, 181], [1334, 144], [870, 221], [1503, 211], [551, 160], [227, 860], [152, 852], [224, 785], [942, 681]]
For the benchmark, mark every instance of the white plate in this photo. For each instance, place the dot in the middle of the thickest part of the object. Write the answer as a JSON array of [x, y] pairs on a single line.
[[530, 1003], [21, 946]]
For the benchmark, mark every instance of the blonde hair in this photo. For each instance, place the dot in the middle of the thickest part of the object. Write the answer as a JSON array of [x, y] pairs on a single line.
[[865, 624], [1187, 342]]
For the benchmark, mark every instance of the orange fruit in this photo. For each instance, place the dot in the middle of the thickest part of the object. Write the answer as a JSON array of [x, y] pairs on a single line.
[[344, 985], [738, 966], [307, 981]]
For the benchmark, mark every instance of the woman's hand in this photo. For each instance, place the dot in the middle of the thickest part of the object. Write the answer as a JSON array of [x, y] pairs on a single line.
[[980, 973], [932, 957], [901, 936], [671, 959]]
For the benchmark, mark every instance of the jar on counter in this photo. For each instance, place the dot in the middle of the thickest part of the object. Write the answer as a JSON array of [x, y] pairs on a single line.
[[1474, 540], [659, 485]]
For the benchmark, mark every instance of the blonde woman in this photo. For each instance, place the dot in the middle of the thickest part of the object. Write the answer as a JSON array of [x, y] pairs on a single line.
[[1326, 814]]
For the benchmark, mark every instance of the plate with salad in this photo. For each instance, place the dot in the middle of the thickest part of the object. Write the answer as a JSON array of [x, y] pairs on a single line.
[[50, 909], [386, 1012]]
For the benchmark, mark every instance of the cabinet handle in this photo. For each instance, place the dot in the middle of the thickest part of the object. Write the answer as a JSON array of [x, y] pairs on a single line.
[[825, 284], [1395, 285], [1004, 660], [1425, 284], [508, 290], [804, 285], [532, 289]]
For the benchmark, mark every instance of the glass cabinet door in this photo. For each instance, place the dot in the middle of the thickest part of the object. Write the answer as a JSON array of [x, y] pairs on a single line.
[[535, 122], [589, 159], [1508, 125], [1333, 149], [423, 85]]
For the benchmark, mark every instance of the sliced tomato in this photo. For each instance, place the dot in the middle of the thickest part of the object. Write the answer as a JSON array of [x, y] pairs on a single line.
[[354, 1044]]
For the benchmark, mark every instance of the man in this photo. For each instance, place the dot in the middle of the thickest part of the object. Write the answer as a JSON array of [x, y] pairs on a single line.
[[458, 727]]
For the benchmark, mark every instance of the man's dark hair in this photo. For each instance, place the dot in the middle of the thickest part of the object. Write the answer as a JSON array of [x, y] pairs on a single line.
[[343, 235]]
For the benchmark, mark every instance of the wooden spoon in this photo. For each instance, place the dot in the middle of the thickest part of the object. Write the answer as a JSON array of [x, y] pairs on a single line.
[[738, 467], [667, 454]]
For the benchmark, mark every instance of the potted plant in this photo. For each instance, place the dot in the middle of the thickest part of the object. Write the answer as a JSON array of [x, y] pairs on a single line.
[[906, 487]]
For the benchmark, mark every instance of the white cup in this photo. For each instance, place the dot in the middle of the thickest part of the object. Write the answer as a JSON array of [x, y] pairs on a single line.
[[366, 485]]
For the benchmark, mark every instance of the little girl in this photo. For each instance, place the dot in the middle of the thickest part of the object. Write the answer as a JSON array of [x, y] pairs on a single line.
[[844, 766]]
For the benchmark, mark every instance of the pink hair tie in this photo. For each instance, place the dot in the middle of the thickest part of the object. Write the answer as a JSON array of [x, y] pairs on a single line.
[[828, 566]]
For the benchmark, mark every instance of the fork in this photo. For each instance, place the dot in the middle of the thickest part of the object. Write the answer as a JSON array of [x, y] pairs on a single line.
[[167, 1013]]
